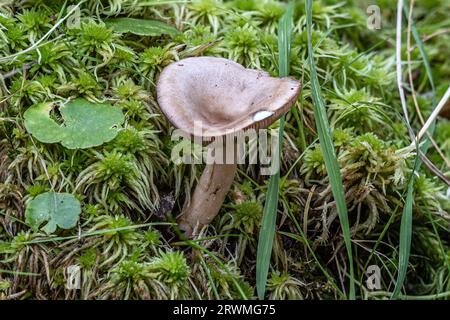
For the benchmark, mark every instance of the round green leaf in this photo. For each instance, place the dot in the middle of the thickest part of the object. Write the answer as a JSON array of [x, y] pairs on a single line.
[[85, 124], [57, 209]]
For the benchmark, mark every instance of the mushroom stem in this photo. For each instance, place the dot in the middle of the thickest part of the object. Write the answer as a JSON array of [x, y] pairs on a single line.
[[208, 197]]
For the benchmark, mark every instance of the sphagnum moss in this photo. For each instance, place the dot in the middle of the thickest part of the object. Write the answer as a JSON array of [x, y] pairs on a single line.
[[131, 180]]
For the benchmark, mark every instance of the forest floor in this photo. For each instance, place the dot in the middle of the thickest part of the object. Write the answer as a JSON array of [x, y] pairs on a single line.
[[122, 192]]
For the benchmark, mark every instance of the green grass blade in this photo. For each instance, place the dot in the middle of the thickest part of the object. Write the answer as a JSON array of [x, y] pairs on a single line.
[[266, 235], [405, 234], [267, 231], [326, 143], [406, 222], [223, 266], [19, 273]]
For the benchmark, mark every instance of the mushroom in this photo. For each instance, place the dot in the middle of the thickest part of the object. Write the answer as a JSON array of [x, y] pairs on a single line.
[[225, 98]]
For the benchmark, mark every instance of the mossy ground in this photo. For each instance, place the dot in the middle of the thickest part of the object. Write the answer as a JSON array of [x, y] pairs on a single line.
[[125, 241]]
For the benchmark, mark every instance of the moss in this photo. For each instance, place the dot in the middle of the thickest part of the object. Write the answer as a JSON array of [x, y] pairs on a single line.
[[130, 182]]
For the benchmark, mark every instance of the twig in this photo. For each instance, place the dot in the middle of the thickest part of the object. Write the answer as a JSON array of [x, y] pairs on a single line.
[[430, 36], [428, 163], [432, 117], [11, 73], [398, 62], [414, 140], [408, 57]]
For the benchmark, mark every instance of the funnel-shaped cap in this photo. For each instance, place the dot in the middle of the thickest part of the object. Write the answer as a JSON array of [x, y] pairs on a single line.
[[222, 96]]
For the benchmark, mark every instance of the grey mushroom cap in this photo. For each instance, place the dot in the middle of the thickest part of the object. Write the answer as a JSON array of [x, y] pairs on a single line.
[[222, 96]]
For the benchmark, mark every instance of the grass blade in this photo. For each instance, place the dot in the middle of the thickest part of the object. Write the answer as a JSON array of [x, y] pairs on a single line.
[[267, 231], [405, 234], [406, 222], [326, 143], [423, 55], [19, 273]]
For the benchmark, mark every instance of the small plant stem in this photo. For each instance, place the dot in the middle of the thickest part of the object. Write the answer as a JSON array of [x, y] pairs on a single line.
[[432, 117]]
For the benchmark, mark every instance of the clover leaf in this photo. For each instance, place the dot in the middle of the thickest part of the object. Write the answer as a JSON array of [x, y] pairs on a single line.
[[57, 209], [85, 124], [141, 27]]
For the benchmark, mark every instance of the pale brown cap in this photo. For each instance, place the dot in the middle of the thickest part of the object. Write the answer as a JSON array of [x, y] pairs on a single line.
[[222, 96]]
